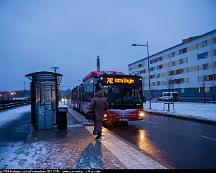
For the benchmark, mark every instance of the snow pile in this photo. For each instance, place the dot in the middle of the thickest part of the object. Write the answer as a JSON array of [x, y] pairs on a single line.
[[12, 114], [185, 109]]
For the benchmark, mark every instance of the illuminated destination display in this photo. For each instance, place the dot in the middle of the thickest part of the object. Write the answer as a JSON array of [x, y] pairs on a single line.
[[112, 80]]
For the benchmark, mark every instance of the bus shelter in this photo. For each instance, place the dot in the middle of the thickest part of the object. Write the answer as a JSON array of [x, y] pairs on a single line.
[[44, 99]]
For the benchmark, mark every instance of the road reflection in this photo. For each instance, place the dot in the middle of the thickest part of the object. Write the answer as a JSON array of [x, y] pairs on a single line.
[[138, 133], [144, 143]]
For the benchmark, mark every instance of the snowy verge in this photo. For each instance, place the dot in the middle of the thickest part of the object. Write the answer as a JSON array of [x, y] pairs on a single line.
[[13, 114], [199, 111]]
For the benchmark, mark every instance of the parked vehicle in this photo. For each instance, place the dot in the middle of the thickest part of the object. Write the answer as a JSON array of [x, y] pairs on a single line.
[[169, 96]]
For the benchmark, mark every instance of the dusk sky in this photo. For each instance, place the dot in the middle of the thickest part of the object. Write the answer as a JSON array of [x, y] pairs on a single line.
[[36, 35]]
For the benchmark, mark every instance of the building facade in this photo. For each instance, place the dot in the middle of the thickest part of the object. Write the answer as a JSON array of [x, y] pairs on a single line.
[[188, 68]]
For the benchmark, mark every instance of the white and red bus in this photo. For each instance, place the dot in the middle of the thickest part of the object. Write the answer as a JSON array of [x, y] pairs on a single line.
[[123, 93]]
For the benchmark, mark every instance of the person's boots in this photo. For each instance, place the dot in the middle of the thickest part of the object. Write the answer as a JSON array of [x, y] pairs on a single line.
[[98, 135]]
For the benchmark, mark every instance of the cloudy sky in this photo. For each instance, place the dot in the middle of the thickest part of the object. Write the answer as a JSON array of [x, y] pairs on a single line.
[[38, 34]]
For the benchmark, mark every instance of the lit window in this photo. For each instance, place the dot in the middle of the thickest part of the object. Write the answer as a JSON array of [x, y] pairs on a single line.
[[177, 81], [211, 77]]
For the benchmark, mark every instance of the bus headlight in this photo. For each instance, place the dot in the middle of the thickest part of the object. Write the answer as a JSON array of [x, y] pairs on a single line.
[[141, 114]]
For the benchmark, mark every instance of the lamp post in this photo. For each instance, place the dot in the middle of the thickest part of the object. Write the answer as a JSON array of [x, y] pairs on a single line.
[[146, 45]]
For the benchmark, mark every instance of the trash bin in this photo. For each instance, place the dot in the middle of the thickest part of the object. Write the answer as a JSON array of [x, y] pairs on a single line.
[[62, 118]]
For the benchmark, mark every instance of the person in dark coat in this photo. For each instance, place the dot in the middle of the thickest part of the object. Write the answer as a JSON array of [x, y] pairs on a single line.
[[100, 106]]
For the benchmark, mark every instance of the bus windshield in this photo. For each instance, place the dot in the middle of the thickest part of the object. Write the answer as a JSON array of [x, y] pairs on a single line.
[[122, 96]]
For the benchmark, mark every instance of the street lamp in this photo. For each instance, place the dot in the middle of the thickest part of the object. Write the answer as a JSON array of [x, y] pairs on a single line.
[[146, 45]]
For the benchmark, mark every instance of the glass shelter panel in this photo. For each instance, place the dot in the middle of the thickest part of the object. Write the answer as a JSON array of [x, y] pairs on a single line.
[[44, 91]]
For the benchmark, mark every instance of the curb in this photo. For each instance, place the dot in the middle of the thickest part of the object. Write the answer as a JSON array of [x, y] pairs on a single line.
[[182, 117]]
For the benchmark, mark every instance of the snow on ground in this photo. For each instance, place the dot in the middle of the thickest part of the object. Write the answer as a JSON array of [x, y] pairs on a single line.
[[21, 155], [186, 109], [12, 114]]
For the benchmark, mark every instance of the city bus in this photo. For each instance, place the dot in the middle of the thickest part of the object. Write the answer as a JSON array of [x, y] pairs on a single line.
[[123, 93]]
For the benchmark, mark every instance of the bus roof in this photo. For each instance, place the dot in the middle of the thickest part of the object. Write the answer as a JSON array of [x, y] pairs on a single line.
[[98, 73]]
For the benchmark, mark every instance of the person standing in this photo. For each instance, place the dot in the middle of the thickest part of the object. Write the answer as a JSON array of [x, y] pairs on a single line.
[[100, 106]]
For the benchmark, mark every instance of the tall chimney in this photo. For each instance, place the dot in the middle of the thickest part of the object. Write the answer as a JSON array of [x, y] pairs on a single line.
[[98, 63]]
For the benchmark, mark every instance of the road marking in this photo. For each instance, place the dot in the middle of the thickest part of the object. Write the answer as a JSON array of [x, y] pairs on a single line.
[[207, 137], [149, 122]]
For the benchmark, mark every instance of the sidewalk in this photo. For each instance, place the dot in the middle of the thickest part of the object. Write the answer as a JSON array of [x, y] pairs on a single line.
[[74, 149], [187, 110]]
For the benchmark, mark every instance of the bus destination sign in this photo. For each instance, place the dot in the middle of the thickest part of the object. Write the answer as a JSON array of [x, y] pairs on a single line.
[[118, 80]]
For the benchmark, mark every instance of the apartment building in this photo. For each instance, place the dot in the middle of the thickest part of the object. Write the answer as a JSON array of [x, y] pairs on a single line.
[[188, 68]]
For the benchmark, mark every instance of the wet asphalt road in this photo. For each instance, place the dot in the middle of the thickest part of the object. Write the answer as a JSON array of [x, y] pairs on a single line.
[[172, 142]]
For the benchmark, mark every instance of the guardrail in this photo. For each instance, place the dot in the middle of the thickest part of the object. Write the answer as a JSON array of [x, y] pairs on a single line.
[[9, 104]]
